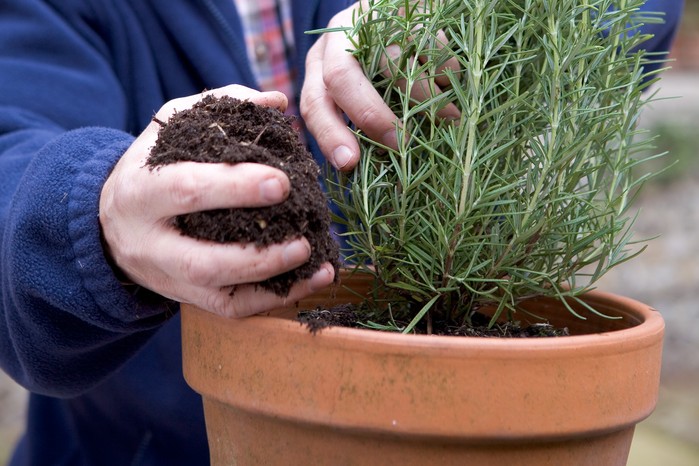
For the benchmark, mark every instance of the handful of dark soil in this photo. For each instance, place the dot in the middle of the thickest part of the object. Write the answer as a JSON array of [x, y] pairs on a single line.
[[229, 130]]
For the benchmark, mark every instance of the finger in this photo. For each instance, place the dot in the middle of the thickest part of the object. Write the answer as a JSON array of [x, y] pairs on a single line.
[[452, 64], [187, 187], [421, 89], [208, 264], [272, 99], [440, 42], [354, 93], [335, 83], [324, 119], [424, 87], [247, 300]]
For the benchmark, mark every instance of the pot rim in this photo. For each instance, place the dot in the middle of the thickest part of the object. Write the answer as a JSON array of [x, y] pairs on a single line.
[[646, 325], [613, 376]]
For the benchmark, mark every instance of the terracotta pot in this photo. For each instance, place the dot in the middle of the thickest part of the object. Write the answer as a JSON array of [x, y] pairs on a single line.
[[275, 394]]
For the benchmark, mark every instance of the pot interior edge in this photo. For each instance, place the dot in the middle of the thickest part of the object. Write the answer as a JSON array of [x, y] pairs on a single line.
[[622, 313], [618, 313]]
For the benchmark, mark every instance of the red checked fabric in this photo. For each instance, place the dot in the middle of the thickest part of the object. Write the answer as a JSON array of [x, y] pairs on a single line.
[[270, 45]]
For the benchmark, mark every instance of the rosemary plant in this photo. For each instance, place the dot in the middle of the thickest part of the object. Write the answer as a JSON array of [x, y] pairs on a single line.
[[527, 192]]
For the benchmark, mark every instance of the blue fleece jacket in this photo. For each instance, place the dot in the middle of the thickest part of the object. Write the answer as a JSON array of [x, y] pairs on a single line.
[[78, 80]]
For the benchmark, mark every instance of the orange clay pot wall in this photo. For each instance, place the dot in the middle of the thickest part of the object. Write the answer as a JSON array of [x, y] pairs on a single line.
[[274, 394]]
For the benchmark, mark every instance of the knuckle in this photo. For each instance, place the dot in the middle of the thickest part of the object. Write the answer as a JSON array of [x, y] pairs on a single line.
[[311, 105], [366, 116], [262, 269], [185, 191], [130, 258], [195, 270], [124, 200], [130, 255], [336, 76], [326, 136], [393, 52], [219, 302], [315, 52], [235, 302]]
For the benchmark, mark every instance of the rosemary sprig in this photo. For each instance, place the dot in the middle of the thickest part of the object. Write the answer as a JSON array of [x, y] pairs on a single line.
[[528, 192]]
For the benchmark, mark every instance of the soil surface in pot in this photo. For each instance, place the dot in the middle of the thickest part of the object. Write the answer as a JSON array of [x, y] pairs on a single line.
[[347, 315], [228, 130]]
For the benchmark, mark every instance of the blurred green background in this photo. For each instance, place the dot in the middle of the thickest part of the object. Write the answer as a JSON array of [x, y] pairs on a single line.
[[666, 275]]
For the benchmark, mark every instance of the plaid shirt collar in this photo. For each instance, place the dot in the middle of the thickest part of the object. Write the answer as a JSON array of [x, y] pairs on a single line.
[[269, 41]]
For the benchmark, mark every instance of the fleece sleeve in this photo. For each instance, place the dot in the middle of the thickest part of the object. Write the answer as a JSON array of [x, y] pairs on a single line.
[[65, 320]]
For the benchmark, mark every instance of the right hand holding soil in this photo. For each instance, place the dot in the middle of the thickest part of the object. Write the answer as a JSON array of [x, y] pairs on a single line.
[[137, 207]]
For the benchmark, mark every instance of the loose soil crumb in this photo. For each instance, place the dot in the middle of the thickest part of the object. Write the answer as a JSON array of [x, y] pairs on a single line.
[[479, 328], [343, 315], [346, 315], [228, 130]]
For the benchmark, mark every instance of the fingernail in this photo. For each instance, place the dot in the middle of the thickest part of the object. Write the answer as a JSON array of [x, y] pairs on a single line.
[[296, 253], [272, 190], [390, 139], [342, 156]]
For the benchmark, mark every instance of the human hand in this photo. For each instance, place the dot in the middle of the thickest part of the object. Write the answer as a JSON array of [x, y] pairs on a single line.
[[137, 207], [335, 84]]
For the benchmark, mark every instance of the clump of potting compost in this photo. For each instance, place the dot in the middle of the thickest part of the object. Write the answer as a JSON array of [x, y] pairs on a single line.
[[228, 130]]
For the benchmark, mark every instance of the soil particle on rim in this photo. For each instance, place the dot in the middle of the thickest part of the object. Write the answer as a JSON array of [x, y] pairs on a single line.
[[342, 315], [228, 130]]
